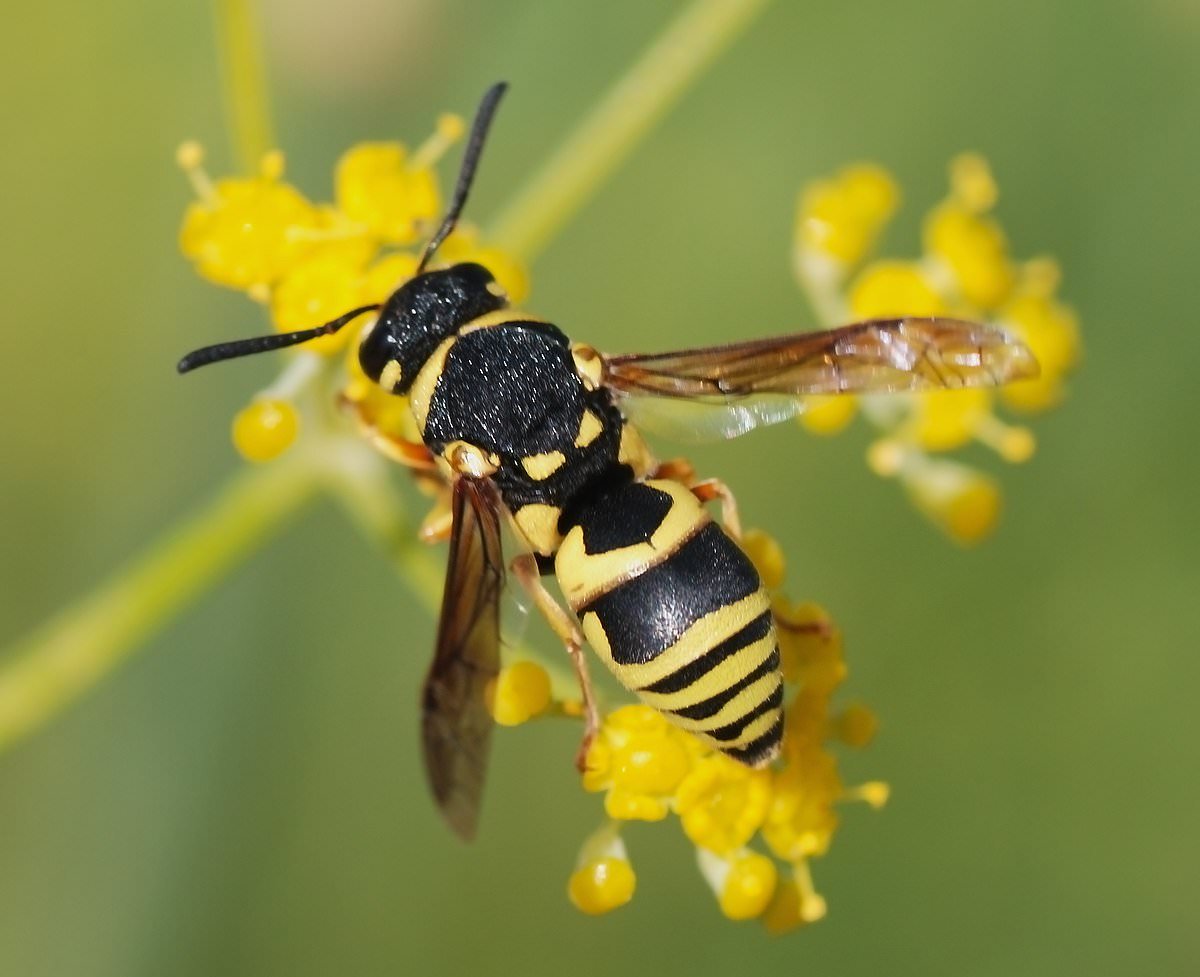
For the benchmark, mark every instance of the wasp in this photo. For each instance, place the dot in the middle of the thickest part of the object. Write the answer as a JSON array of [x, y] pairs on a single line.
[[522, 426]]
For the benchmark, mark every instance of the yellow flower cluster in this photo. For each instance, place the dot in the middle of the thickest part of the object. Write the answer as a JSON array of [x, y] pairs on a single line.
[[648, 770], [310, 262], [966, 271]]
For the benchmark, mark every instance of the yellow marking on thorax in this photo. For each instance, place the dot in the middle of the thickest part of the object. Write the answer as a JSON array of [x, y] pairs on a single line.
[[589, 364], [634, 453], [706, 633], [584, 576], [421, 392], [590, 427], [538, 523], [501, 317], [540, 467], [467, 459]]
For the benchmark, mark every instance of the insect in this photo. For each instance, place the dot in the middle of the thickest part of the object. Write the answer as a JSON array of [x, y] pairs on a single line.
[[518, 423]]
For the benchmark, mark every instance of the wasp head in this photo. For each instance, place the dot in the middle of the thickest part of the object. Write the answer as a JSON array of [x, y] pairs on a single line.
[[419, 316]]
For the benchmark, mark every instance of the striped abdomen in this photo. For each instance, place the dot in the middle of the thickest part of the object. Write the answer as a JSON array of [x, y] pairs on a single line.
[[677, 612]]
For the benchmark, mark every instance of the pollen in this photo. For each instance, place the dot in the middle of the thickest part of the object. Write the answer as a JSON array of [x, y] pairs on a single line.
[[520, 692], [601, 885], [947, 419], [843, 216], [767, 556], [828, 415], [241, 232], [796, 903], [376, 185], [638, 759], [1051, 330], [603, 879], [722, 803], [319, 288], [962, 501], [856, 725], [743, 883], [888, 288], [265, 429]]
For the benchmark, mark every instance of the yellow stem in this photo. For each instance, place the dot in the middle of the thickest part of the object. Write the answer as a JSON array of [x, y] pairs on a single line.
[[246, 103], [610, 131], [73, 651]]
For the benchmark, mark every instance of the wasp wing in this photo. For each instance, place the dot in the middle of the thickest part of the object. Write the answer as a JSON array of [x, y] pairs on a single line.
[[456, 722], [759, 382]]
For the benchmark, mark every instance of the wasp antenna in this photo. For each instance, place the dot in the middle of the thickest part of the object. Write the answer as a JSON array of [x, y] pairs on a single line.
[[264, 344], [466, 173]]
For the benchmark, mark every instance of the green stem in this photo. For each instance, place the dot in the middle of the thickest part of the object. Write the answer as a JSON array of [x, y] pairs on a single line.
[[370, 502], [50, 668], [246, 103], [608, 134]]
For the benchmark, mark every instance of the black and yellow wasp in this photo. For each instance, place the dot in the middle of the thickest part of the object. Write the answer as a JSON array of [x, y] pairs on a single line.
[[519, 422]]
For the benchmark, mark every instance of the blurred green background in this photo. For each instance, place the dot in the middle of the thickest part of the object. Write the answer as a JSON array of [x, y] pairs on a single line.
[[245, 797]]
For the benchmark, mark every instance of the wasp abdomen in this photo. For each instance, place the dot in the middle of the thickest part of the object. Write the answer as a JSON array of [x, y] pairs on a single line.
[[678, 613]]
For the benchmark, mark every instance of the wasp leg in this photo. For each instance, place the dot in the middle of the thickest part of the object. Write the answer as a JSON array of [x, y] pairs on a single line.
[[706, 490], [438, 523], [411, 454], [713, 488], [525, 569], [677, 470]]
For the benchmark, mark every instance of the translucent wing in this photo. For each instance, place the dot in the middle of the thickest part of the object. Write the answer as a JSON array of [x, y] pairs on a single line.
[[753, 383], [456, 724]]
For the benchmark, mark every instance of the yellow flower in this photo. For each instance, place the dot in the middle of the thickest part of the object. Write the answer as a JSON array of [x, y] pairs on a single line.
[[603, 879], [960, 500], [1050, 329], [743, 881], [639, 759], [721, 803], [520, 692], [242, 232], [966, 271], [842, 217], [311, 263], [795, 903], [265, 429], [375, 185], [888, 288]]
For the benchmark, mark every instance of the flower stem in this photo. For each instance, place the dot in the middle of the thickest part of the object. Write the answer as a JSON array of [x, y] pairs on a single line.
[[47, 670], [370, 502], [608, 134], [246, 103]]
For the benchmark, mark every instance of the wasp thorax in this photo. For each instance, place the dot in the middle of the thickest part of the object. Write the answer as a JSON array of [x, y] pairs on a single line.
[[419, 316]]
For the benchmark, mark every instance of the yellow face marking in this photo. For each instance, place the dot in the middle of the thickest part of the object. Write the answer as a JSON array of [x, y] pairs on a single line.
[[634, 453], [466, 459], [392, 372], [538, 523], [589, 429], [589, 364], [423, 386], [496, 289], [540, 467], [501, 317], [583, 576]]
